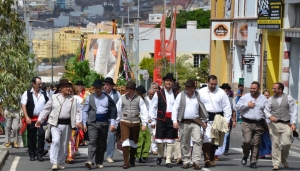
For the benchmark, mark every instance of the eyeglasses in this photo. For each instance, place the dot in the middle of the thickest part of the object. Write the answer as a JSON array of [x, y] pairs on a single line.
[[150, 94]]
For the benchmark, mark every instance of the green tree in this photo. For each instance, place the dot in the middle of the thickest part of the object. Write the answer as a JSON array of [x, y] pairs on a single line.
[[184, 69], [148, 64], [45, 60], [17, 65], [201, 16], [203, 71], [76, 70]]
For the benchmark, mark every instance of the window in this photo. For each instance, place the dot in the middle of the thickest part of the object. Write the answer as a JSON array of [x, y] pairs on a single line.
[[197, 59], [151, 55]]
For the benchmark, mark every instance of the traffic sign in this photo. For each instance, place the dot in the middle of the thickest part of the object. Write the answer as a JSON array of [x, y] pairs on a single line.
[[145, 75]]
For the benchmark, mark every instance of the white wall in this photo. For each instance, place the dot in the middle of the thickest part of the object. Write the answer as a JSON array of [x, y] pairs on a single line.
[[294, 68]]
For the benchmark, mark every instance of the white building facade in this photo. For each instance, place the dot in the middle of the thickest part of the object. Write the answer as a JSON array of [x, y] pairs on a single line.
[[246, 46]]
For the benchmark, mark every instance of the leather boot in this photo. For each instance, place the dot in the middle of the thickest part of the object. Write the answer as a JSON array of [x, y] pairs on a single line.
[[206, 153], [125, 157], [170, 149], [132, 156], [212, 155]]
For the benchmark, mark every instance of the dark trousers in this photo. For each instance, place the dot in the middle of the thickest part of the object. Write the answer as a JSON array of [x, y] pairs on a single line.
[[252, 133], [228, 138], [35, 136], [98, 140]]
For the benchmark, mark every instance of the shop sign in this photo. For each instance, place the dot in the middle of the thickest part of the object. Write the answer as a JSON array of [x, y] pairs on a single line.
[[269, 14]]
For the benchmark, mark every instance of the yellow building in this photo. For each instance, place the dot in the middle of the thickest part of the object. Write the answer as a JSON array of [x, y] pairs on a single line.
[[42, 44], [69, 38], [221, 36]]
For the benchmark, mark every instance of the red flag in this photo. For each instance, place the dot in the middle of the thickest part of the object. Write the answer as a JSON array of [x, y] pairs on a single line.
[[163, 35], [171, 43]]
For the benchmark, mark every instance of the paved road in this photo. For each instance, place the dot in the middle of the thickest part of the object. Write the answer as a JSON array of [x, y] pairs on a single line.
[[19, 160]]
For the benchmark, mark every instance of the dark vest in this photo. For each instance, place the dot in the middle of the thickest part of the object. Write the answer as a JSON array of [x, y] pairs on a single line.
[[162, 104], [112, 111], [115, 95], [30, 102]]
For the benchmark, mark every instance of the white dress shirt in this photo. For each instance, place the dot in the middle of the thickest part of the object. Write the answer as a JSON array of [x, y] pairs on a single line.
[[39, 101], [255, 113], [216, 101], [143, 111], [191, 110], [293, 112], [154, 104]]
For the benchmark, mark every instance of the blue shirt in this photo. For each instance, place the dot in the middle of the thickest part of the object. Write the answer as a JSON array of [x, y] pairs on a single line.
[[101, 104], [238, 97]]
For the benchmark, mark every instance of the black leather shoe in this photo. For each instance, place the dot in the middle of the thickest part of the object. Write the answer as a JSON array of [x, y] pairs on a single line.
[[253, 165], [226, 153], [158, 161], [40, 158], [185, 166], [125, 166], [141, 160], [32, 158], [244, 160], [169, 165]]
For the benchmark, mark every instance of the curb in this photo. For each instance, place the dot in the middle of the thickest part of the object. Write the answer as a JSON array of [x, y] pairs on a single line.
[[3, 157]]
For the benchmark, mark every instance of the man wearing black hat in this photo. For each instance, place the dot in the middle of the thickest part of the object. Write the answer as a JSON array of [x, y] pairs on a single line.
[[111, 139], [183, 116], [161, 111], [144, 135], [131, 109], [99, 108]]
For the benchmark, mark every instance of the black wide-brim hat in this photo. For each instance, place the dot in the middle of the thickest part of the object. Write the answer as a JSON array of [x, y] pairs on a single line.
[[169, 76], [131, 85], [98, 83], [109, 80], [64, 82], [80, 83], [141, 89], [225, 86]]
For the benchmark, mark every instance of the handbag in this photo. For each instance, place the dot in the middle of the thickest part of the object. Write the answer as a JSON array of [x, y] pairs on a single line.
[[48, 136]]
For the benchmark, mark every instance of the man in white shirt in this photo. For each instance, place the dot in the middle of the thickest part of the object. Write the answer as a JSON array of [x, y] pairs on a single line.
[[33, 102], [153, 147], [251, 106], [131, 109], [188, 107], [283, 117], [161, 112], [216, 102], [111, 138]]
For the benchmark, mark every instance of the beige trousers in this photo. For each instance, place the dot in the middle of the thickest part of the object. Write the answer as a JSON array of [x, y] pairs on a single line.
[[12, 123], [281, 135], [188, 131]]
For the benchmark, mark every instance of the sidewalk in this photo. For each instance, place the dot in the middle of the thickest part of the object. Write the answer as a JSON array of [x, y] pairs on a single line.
[[4, 153]]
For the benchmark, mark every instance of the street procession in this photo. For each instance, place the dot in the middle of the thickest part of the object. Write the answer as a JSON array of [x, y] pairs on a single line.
[[142, 85]]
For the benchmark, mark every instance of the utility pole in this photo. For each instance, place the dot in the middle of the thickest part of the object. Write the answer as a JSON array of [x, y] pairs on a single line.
[[52, 54], [136, 30]]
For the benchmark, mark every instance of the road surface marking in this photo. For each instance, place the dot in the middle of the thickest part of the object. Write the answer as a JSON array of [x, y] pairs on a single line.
[[15, 163]]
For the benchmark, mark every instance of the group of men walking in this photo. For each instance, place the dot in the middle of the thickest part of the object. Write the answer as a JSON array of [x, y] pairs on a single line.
[[201, 116]]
